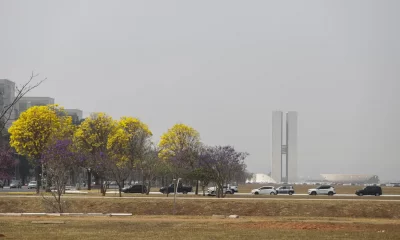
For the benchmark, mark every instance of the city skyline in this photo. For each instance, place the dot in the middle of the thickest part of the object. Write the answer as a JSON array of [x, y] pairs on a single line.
[[8, 90]]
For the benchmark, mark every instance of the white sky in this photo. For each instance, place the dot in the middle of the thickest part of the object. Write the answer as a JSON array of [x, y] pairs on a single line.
[[223, 67]]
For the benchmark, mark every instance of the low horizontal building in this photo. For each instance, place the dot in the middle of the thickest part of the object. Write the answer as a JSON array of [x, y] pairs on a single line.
[[27, 102], [350, 178], [260, 178]]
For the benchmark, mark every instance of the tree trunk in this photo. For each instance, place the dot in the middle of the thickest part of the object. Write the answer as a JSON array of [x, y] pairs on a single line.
[[38, 169], [96, 178], [197, 187], [119, 188], [102, 187], [48, 183], [148, 188], [89, 179]]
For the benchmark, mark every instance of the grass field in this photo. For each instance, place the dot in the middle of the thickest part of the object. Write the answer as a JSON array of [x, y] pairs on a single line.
[[168, 227]]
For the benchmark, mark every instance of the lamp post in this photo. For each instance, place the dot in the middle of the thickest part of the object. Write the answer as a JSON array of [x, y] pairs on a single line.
[[176, 183]]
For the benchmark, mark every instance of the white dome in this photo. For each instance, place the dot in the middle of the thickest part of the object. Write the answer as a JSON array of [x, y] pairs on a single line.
[[260, 178]]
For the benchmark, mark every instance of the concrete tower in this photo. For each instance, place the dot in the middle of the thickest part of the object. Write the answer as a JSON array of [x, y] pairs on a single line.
[[277, 132], [284, 171]]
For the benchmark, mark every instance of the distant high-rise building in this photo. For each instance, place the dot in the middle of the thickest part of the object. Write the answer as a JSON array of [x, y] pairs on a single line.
[[277, 134], [76, 115], [27, 102], [284, 171], [7, 96], [291, 146]]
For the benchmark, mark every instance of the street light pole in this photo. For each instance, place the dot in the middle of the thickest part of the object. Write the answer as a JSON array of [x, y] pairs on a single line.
[[176, 187]]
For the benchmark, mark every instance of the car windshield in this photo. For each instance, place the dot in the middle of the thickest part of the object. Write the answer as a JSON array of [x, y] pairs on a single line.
[[32, 182]]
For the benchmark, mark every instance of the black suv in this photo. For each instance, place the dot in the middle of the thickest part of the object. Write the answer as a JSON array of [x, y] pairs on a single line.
[[135, 189], [370, 190]]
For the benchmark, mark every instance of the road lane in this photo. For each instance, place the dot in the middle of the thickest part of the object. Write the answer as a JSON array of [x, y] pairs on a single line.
[[274, 198]]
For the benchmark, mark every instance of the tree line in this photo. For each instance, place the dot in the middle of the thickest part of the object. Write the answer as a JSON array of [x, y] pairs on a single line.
[[110, 149]]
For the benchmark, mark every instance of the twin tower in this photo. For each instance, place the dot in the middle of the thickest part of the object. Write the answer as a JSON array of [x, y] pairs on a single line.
[[284, 147]]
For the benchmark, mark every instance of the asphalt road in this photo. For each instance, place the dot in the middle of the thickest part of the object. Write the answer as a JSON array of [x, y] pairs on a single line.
[[23, 189], [111, 195], [114, 191], [378, 199]]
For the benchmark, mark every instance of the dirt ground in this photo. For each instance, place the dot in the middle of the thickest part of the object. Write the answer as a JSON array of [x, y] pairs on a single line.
[[179, 227]]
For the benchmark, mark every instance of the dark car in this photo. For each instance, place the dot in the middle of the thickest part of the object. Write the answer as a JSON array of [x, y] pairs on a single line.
[[135, 189], [179, 189], [370, 190], [285, 190]]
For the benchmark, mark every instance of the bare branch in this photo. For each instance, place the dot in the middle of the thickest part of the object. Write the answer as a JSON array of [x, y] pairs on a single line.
[[6, 111]]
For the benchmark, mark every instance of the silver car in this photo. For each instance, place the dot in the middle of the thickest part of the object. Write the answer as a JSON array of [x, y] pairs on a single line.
[[15, 184], [32, 184]]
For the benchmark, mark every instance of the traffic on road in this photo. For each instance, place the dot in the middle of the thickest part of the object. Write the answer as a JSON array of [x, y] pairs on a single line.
[[211, 191]]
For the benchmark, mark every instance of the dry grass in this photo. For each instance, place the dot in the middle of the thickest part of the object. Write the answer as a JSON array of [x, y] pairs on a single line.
[[208, 207], [192, 228]]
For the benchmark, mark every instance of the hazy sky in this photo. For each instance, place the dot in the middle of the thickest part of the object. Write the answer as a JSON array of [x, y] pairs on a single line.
[[222, 67]]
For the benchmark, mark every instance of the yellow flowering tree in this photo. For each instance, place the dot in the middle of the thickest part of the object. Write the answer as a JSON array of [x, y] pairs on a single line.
[[92, 137], [33, 131], [127, 147], [180, 145]]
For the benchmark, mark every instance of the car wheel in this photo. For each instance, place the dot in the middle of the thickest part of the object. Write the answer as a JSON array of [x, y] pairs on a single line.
[[313, 193], [360, 194], [330, 193], [184, 192], [377, 194], [290, 193], [272, 193], [256, 193]]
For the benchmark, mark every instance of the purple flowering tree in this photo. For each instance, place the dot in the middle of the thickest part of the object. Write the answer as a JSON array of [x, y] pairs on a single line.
[[222, 164], [102, 165], [7, 162], [59, 160]]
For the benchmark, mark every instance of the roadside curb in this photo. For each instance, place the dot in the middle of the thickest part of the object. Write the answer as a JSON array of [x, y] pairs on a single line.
[[33, 214], [66, 214]]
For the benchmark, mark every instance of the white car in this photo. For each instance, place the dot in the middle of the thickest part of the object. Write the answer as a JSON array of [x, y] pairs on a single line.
[[264, 190], [32, 184], [211, 191], [322, 190], [234, 188]]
